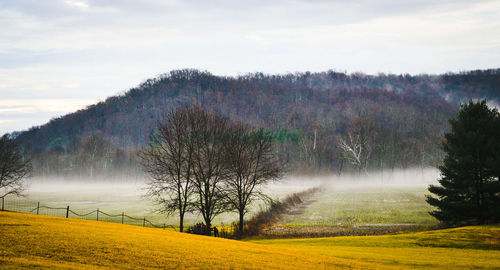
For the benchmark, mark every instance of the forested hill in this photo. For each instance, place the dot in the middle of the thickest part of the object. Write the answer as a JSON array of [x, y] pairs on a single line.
[[399, 119]]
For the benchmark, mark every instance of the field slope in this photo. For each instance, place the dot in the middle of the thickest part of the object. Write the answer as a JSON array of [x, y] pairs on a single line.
[[31, 241], [475, 247]]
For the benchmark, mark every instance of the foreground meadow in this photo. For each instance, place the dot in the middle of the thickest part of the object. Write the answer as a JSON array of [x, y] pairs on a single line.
[[30, 241], [476, 247]]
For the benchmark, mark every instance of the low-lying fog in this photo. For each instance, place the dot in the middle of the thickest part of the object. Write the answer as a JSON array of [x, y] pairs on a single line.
[[127, 187], [118, 195]]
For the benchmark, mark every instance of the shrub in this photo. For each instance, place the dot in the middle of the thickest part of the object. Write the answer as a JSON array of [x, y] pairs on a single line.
[[199, 228]]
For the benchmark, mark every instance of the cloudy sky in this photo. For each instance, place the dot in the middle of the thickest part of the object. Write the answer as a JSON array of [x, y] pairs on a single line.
[[57, 56]]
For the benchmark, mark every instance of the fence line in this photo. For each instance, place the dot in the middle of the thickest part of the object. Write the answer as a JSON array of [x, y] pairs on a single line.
[[68, 211]]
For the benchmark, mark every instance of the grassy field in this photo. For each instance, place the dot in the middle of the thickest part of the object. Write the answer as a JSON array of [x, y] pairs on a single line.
[[347, 208], [30, 241], [370, 204], [115, 197], [358, 208], [459, 248]]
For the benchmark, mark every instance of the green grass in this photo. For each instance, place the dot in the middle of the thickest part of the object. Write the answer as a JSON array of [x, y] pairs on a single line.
[[348, 208], [340, 206], [114, 198]]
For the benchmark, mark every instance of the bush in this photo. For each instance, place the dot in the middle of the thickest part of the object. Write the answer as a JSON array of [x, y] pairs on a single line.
[[198, 228]]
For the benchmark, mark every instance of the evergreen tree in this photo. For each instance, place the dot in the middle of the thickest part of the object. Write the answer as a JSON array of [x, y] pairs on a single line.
[[469, 186]]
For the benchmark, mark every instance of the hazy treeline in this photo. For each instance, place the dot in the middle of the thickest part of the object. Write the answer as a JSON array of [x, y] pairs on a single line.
[[329, 121], [91, 156]]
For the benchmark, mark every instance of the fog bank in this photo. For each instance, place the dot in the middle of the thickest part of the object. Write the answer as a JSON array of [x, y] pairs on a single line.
[[372, 180]]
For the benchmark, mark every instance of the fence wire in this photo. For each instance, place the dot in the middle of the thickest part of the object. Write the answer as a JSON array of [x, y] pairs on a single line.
[[39, 209]]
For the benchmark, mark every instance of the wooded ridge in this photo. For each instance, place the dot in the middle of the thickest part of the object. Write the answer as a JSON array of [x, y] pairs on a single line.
[[328, 121]]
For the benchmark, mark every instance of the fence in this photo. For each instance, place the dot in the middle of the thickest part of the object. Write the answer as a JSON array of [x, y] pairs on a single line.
[[99, 215]]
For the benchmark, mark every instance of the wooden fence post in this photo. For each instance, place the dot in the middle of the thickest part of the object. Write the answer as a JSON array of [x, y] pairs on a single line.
[[67, 211], [3, 203], [37, 208], [97, 216], [164, 226], [144, 222], [122, 216]]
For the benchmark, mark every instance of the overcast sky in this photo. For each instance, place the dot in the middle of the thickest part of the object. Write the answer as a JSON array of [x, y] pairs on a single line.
[[57, 56]]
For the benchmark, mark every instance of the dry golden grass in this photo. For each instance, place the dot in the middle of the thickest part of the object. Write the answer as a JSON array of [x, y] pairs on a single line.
[[31, 241], [475, 247]]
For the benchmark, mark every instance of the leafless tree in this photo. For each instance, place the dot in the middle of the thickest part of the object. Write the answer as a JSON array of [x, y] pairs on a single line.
[[352, 149], [209, 136], [168, 160], [356, 148], [199, 161], [13, 168], [251, 162]]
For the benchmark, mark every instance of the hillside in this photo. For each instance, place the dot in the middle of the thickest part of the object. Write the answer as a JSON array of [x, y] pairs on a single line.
[[475, 247], [31, 241], [402, 116]]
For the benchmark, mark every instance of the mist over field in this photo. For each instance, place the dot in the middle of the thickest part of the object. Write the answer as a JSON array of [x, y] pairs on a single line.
[[115, 195], [415, 177], [135, 186]]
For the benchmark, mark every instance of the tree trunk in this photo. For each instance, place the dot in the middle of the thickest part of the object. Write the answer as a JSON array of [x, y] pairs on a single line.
[[181, 222], [241, 221], [209, 227]]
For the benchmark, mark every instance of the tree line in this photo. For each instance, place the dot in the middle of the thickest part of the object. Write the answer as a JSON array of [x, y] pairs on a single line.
[[201, 162], [312, 116], [91, 156]]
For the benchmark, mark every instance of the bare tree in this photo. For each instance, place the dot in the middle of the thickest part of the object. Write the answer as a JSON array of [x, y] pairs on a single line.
[[208, 135], [198, 161], [352, 149], [251, 162], [13, 168], [168, 160], [356, 148]]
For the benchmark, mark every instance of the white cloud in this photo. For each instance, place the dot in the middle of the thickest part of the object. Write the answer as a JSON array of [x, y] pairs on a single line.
[[71, 85], [77, 4], [20, 114], [28, 106]]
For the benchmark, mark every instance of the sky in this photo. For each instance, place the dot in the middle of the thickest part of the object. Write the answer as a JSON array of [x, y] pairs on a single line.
[[57, 56]]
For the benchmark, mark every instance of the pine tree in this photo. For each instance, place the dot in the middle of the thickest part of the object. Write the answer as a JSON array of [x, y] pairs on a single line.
[[469, 185]]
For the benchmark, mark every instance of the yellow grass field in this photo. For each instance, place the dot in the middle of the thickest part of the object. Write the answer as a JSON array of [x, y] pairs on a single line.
[[475, 247], [31, 241]]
